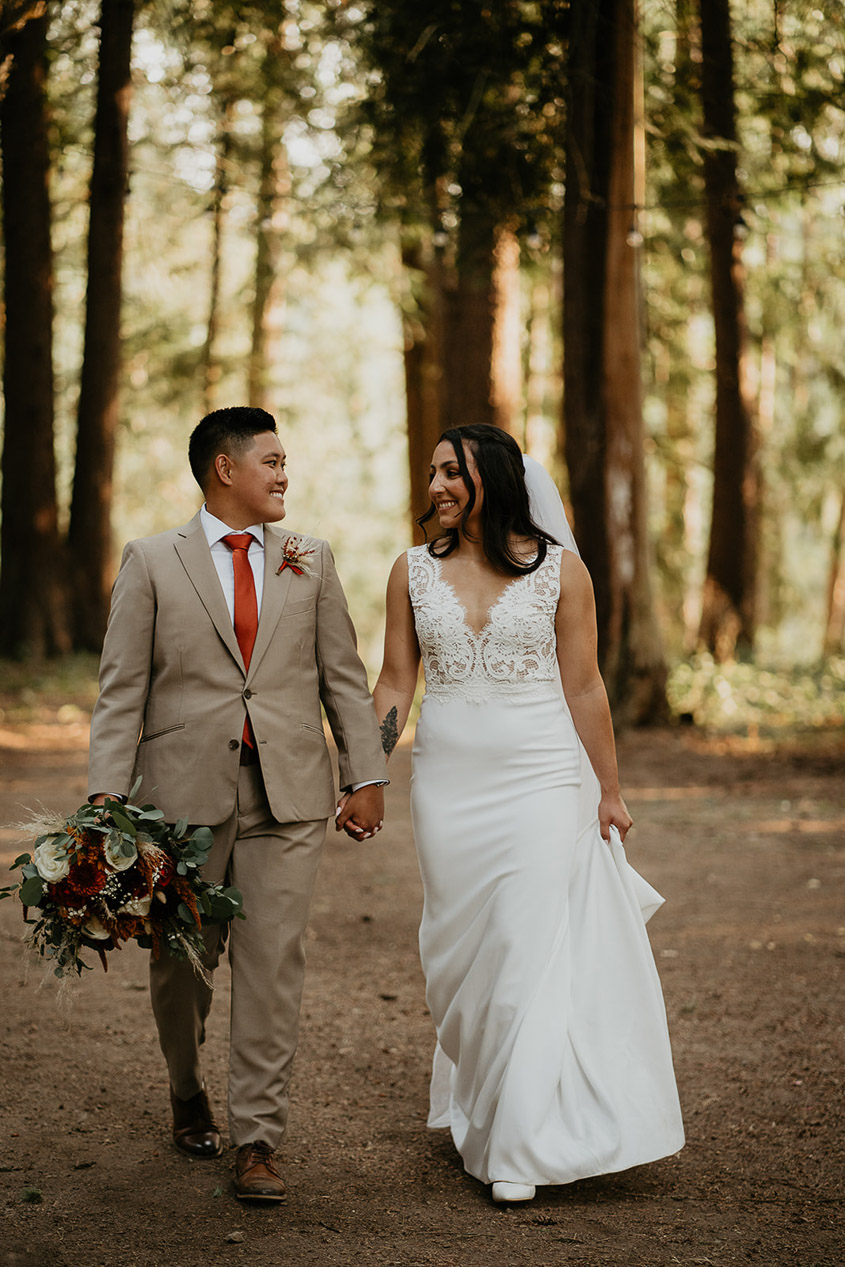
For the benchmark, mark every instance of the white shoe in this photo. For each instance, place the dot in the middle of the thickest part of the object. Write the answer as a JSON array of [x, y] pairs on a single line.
[[503, 1192]]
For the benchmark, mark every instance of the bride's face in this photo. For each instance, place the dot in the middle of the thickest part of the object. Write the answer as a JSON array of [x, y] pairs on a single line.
[[448, 490]]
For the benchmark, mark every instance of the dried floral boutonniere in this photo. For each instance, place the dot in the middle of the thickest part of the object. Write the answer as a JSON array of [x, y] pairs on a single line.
[[294, 554]]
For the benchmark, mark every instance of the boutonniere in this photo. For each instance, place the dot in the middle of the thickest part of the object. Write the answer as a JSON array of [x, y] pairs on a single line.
[[294, 554]]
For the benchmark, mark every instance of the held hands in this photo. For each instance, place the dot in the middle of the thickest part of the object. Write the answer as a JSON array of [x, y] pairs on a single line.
[[613, 812], [361, 814]]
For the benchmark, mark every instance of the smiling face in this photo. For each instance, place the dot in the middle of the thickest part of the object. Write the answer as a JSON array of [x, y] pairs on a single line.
[[448, 490], [250, 484]]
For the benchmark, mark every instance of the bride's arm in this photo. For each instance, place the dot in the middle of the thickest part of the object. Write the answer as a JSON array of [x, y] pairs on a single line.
[[394, 690], [575, 627]]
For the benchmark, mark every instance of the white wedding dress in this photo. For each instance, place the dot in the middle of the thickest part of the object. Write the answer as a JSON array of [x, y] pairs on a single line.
[[553, 1059]]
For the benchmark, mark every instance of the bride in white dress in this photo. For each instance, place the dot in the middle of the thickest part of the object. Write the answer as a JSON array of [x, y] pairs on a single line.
[[552, 1060]]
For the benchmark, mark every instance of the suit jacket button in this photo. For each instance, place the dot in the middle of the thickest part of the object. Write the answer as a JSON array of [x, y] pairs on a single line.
[[233, 744], [247, 694]]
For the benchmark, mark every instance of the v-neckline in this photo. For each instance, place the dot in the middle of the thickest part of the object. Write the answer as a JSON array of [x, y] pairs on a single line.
[[477, 633]]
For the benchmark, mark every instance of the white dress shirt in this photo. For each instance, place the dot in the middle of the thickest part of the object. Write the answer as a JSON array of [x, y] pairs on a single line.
[[224, 560]]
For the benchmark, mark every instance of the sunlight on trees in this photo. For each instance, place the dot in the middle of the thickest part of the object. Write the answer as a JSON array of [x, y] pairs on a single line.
[[378, 191]]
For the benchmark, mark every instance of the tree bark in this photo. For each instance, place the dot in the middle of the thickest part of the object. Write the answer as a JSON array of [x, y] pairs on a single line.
[[33, 610], [603, 429], [506, 351], [271, 221], [422, 320], [89, 532], [211, 368], [834, 629], [481, 352], [728, 615]]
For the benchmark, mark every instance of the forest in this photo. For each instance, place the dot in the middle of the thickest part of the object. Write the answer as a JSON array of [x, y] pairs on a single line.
[[612, 227]]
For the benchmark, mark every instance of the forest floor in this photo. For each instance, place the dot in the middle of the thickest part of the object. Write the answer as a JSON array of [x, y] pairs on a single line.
[[747, 842]]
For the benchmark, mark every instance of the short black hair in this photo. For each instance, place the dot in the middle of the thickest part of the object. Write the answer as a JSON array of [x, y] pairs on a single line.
[[225, 431], [506, 510]]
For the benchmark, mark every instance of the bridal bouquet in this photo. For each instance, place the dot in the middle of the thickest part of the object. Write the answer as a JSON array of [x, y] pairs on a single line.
[[113, 873]]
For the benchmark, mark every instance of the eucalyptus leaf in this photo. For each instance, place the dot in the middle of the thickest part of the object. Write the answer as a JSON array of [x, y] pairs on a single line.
[[124, 823], [32, 890], [21, 861]]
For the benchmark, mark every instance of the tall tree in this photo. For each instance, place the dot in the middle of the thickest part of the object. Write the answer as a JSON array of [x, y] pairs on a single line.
[[212, 369], [728, 615], [272, 209], [33, 614], [463, 106], [603, 426], [89, 532], [422, 322]]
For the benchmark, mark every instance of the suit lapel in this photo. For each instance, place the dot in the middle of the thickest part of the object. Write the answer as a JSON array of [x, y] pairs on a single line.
[[276, 589], [192, 548]]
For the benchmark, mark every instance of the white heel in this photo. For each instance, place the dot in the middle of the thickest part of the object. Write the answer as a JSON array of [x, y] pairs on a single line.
[[506, 1192]]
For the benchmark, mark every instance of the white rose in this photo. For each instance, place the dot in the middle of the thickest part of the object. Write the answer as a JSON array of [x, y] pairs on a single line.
[[117, 860], [52, 860], [95, 930], [138, 906]]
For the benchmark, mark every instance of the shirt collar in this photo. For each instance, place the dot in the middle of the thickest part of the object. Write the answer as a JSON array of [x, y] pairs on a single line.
[[215, 529]]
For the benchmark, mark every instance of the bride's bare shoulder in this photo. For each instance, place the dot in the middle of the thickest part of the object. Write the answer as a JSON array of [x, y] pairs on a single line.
[[573, 573]]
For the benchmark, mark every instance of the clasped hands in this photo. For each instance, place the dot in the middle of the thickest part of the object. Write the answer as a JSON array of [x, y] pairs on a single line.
[[361, 814]]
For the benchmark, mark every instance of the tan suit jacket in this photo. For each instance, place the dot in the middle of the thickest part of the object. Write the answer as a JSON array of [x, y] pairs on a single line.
[[173, 689]]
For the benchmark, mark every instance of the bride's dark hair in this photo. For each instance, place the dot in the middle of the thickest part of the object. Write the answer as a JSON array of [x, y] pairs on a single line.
[[505, 511]]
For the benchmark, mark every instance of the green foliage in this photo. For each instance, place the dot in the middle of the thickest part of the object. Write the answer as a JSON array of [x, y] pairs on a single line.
[[463, 107], [790, 75], [418, 114], [736, 697]]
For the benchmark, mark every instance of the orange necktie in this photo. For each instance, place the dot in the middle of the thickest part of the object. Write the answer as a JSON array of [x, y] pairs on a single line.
[[246, 606]]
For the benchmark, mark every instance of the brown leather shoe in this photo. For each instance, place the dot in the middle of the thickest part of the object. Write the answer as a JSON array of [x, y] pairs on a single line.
[[194, 1130], [256, 1176]]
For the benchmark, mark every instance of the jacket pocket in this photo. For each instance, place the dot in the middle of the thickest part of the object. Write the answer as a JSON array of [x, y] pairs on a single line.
[[300, 606], [168, 730], [315, 730]]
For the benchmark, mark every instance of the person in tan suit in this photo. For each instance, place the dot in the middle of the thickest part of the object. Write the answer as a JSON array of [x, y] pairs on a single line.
[[224, 638]]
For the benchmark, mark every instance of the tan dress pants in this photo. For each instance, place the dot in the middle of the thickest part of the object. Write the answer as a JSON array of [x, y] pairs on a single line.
[[274, 865]]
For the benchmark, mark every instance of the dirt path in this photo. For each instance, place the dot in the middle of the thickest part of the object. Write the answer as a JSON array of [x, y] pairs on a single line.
[[749, 850]]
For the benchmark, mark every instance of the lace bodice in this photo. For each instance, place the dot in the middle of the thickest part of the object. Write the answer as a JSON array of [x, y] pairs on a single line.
[[515, 652]]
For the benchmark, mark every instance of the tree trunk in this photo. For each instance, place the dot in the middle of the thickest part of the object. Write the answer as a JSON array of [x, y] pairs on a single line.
[[602, 374], [506, 350], [834, 630], [211, 368], [89, 532], [33, 609], [481, 348], [728, 609], [271, 221], [422, 330], [469, 316]]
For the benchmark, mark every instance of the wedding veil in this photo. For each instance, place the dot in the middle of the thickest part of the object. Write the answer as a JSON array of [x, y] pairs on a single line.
[[546, 505]]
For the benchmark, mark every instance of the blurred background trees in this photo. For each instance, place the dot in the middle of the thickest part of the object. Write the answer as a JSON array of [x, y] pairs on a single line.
[[613, 229]]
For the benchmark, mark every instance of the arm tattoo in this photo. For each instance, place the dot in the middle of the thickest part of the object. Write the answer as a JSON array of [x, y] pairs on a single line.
[[389, 732]]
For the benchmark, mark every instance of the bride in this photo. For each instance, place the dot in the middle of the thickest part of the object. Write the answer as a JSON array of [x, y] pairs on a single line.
[[552, 1060]]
